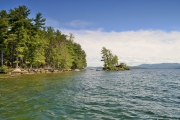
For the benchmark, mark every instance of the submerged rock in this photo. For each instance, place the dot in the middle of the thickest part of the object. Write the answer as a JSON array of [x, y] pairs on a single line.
[[55, 70], [76, 70]]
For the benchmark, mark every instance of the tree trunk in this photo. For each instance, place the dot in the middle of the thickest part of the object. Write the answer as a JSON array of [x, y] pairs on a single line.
[[17, 60], [31, 67], [1, 58]]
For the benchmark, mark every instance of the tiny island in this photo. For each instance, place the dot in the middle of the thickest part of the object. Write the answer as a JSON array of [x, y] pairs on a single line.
[[111, 61]]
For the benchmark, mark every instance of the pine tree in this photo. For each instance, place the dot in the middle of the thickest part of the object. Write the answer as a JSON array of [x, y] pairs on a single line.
[[19, 22], [3, 33]]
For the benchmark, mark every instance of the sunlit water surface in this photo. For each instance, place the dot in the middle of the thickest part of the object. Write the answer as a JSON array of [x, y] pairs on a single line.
[[93, 95]]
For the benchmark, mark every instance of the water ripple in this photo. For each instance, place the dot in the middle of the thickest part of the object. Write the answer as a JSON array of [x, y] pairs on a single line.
[[134, 94]]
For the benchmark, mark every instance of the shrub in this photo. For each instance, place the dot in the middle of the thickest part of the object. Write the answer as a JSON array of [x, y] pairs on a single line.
[[4, 69]]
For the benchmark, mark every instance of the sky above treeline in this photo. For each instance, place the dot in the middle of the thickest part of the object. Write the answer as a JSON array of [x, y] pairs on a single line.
[[137, 31]]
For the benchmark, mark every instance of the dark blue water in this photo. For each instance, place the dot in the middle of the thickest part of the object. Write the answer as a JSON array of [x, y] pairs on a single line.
[[93, 95]]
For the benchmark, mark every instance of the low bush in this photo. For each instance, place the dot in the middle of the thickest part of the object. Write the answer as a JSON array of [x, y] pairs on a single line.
[[4, 69]]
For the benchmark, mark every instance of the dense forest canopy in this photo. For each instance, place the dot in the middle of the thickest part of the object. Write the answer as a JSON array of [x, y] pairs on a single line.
[[27, 43]]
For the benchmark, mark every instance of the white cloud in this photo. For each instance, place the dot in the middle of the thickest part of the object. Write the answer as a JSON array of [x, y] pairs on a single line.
[[78, 23], [132, 47]]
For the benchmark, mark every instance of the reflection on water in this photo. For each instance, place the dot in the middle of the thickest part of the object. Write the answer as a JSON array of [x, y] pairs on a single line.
[[138, 94]]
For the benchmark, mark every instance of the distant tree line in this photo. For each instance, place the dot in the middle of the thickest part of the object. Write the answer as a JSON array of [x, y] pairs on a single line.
[[111, 61], [26, 42]]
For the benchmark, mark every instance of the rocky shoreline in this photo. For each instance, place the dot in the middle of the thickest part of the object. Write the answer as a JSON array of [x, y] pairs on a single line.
[[41, 70]]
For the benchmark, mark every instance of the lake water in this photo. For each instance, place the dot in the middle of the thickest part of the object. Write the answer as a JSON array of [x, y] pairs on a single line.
[[92, 95]]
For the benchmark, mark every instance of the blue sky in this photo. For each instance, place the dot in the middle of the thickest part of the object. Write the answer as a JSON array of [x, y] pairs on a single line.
[[116, 24], [111, 15]]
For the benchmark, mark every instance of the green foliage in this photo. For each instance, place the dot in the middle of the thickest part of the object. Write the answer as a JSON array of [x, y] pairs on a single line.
[[26, 42], [4, 69], [111, 61], [123, 66], [3, 33]]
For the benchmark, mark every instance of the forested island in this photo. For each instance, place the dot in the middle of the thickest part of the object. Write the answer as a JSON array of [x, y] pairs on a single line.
[[28, 44], [111, 61]]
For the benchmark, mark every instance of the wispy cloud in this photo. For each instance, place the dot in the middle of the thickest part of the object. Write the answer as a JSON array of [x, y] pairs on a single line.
[[79, 24], [52, 22], [132, 47]]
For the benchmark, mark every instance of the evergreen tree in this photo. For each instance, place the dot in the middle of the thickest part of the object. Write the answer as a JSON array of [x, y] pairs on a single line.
[[19, 22], [111, 61], [3, 33], [36, 42]]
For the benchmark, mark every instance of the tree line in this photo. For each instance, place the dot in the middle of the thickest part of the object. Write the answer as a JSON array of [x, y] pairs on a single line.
[[26, 42], [111, 61]]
